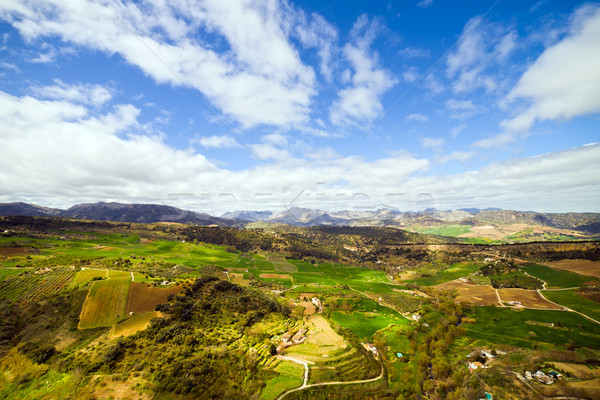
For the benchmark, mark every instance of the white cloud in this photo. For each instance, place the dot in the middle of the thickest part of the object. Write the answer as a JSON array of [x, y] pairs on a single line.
[[432, 143], [456, 130], [564, 82], [361, 101], [461, 156], [65, 143], [76, 93], [454, 104], [425, 3], [216, 141], [481, 47], [315, 31], [260, 81], [414, 52], [411, 74], [417, 117]]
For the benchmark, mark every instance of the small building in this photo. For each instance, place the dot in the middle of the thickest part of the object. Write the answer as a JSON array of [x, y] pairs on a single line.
[[299, 336], [513, 303], [416, 317], [475, 365], [317, 303], [486, 354], [528, 375], [370, 347], [287, 337]]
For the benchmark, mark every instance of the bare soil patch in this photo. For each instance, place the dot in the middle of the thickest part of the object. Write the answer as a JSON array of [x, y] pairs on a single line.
[[321, 334], [309, 307], [275, 276], [528, 298], [471, 293], [12, 251], [144, 298], [578, 370], [583, 267]]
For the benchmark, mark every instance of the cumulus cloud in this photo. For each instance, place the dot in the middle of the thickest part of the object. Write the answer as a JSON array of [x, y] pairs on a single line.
[[361, 101], [417, 117], [76, 93], [261, 80], [482, 47], [432, 143], [564, 82], [216, 141]]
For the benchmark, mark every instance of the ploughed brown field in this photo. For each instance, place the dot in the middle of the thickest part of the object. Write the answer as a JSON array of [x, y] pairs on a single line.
[[471, 293], [12, 251], [584, 267], [528, 298], [275, 276], [144, 298]]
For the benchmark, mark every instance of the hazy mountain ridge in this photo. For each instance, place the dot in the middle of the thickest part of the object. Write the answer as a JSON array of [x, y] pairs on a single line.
[[305, 217], [118, 212]]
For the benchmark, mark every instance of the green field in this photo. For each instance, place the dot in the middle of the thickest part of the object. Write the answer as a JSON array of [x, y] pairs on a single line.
[[556, 278], [86, 275], [570, 299], [367, 318], [443, 230], [451, 273], [290, 376], [6, 272], [503, 325], [106, 302]]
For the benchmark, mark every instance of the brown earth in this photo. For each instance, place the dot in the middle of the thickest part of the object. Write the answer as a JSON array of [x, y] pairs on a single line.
[[309, 307], [471, 293], [528, 298], [275, 276], [583, 267], [578, 370], [501, 231], [144, 298], [12, 251]]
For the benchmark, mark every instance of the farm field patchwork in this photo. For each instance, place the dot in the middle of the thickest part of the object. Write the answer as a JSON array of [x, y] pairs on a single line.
[[473, 294], [555, 278], [528, 298], [106, 301]]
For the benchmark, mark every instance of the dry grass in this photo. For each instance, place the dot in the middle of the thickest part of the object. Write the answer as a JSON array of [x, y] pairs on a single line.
[[12, 251], [144, 298], [133, 325], [528, 298], [309, 307], [321, 334], [578, 370], [471, 293], [275, 276], [583, 267], [105, 303]]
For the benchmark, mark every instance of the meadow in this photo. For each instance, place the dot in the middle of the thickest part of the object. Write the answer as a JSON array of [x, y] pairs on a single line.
[[450, 273], [555, 278], [525, 327], [570, 299]]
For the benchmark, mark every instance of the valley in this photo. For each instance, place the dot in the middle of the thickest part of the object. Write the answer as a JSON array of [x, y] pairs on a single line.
[[163, 311]]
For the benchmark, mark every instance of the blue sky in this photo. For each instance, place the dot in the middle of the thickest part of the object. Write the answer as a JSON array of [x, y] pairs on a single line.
[[224, 105]]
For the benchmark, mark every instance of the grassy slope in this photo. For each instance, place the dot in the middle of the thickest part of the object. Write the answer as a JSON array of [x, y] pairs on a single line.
[[106, 301], [556, 278], [503, 325], [569, 298]]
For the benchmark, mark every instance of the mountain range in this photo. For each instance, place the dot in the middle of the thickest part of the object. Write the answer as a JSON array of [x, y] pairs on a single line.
[[151, 213]]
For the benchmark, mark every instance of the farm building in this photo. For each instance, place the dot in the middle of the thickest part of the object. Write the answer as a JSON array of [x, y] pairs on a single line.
[[287, 337], [475, 365], [317, 303], [299, 337]]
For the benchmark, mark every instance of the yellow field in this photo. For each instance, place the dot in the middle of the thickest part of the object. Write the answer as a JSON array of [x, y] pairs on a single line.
[[473, 294], [135, 324], [86, 275], [528, 298], [577, 370], [583, 267], [106, 301]]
